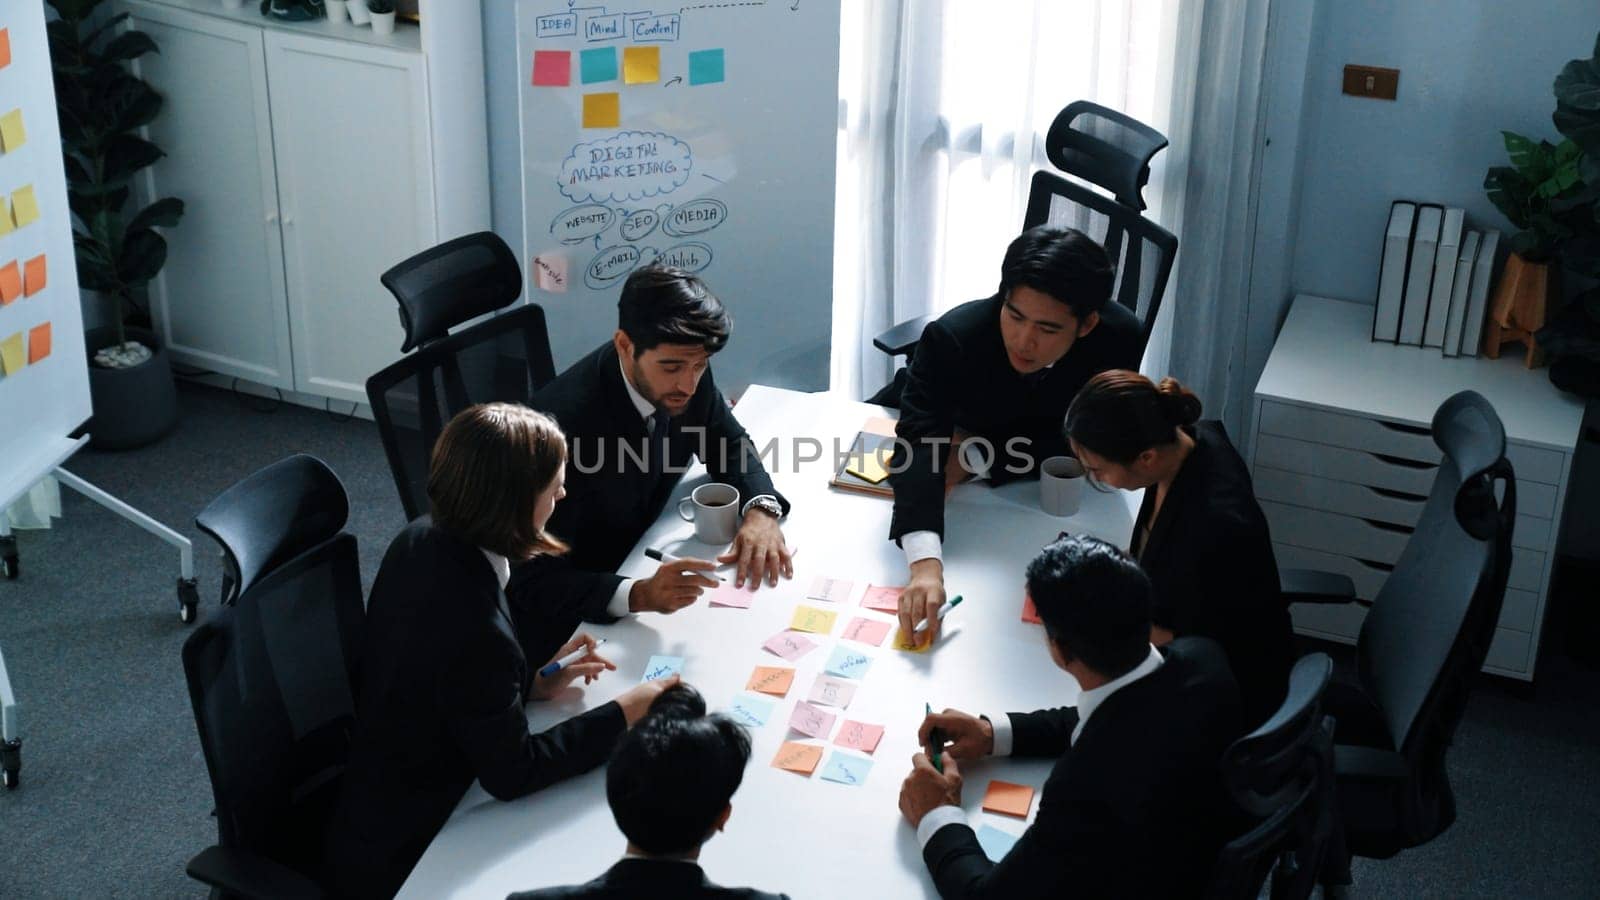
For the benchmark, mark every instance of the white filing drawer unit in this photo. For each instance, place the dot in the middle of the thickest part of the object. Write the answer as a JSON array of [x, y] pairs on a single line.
[[1343, 485]]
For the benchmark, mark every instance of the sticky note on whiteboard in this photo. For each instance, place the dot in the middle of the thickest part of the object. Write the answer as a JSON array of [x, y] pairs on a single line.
[[550, 273], [641, 65], [12, 355], [12, 132], [602, 110], [24, 206], [706, 67], [5, 47], [33, 276], [552, 68], [10, 282], [598, 64], [38, 343]]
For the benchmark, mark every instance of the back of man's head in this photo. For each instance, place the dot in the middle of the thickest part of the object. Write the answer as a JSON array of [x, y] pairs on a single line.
[[1062, 262], [666, 305], [1094, 602], [673, 773]]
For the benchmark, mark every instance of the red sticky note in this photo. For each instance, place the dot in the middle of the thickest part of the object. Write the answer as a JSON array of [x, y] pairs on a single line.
[[10, 282], [1009, 798], [38, 343], [5, 47], [1029, 614], [859, 736], [33, 276], [552, 68]]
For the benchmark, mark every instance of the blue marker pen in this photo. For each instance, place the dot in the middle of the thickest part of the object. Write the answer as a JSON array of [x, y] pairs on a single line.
[[568, 660]]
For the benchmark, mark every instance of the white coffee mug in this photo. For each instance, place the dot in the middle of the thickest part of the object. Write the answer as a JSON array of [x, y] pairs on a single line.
[[714, 510], [1060, 485]]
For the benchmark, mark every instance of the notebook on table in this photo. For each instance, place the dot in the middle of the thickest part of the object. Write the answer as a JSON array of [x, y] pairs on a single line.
[[865, 468]]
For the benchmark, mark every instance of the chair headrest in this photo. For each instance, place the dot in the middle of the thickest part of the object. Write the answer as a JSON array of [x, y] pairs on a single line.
[[274, 515], [1104, 147], [1472, 437], [455, 282]]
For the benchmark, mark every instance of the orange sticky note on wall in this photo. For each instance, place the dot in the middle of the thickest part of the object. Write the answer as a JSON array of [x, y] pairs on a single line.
[[10, 282], [33, 276], [5, 47], [1009, 798], [12, 356], [38, 343], [24, 206], [602, 110]]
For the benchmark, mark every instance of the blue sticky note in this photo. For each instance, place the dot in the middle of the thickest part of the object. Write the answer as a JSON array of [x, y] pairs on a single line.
[[660, 667], [751, 710], [847, 663], [995, 843], [705, 67], [846, 769], [599, 64]]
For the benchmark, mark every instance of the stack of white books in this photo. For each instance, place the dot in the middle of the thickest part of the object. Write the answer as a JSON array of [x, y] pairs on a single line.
[[1433, 283]]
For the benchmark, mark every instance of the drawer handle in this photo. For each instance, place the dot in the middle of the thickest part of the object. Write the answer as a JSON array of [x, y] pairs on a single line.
[[1374, 564], [1396, 495], [1406, 463], [1386, 526], [1421, 430]]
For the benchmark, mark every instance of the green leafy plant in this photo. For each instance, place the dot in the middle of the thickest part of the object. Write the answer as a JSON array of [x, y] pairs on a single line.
[[1542, 194], [381, 6], [102, 105], [1577, 117]]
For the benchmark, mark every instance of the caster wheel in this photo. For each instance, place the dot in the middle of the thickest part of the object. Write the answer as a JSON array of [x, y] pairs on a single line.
[[186, 613], [10, 566], [188, 600], [9, 778], [10, 763]]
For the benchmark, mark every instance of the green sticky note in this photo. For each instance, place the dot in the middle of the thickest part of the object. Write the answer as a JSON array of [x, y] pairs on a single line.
[[706, 67], [599, 64]]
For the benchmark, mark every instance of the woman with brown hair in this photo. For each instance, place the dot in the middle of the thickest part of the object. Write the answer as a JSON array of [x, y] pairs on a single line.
[[443, 680], [1200, 534]]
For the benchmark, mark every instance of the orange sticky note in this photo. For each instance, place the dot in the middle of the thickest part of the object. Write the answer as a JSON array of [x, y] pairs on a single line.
[[12, 132], [794, 756], [774, 680], [1008, 798], [12, 355], [602, 110], [1029, 614], [641, 65], [38, 343], [24, 206], [33, 276], [10, 282], [5, 47]]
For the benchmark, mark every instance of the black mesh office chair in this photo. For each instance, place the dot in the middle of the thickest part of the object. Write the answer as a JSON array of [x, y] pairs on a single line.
[[270, 677], [1112, 151], [504, 358], [1281, 777]]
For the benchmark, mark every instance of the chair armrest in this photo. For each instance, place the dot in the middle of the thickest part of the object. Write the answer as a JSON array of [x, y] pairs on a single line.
[[902, 338], [245, 874], [1312, 586], [1354, 762]]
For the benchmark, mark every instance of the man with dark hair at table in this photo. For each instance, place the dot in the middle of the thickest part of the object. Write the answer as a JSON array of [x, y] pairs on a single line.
[[988, 388], [637, 411], [670, 782], [1134, 806]]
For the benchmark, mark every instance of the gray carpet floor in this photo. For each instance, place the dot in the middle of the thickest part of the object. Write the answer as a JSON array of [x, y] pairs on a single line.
[[114, 795]]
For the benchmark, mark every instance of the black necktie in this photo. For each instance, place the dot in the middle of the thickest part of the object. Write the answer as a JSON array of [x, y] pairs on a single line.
[[658, 443]]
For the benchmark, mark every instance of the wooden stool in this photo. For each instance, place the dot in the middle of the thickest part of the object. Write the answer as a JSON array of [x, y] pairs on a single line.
[[1521, 301]]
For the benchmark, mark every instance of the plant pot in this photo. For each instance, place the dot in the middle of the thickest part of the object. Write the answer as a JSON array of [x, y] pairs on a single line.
[[357, 9], [336, 10], [133, 406], [383, 23]]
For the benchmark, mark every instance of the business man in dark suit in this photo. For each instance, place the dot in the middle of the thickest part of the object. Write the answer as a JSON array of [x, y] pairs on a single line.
[[636, 412], [1134, 806], [670, 782], [985, 393]]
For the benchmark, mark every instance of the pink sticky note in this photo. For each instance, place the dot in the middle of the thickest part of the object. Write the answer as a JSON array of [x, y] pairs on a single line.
[[834, 590], [790, 645], [550, 273], [811, 721], [859, 736], [552, 68], [867, 631], [832, 691], [728, 595], [886, 599]]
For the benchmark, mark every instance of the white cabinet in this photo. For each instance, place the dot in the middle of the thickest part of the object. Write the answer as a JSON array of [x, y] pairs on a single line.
[[311, 158]]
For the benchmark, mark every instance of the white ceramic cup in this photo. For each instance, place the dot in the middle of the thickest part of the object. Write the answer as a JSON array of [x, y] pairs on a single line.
[[1060, 485], [714, 510]]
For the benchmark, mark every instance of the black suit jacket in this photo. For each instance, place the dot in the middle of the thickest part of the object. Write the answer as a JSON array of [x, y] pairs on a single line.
[[633, 878], [612, 496], [439, 704], [960, 378], [1209, 558], [1135, 808]]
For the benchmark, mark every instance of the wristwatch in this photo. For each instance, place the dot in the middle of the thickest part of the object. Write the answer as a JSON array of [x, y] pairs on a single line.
[[766, 504]]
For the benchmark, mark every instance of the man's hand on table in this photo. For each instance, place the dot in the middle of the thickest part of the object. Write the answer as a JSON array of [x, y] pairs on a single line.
[[968, 736], [760, 550], [921, 599], [675, 585], [926, 789]]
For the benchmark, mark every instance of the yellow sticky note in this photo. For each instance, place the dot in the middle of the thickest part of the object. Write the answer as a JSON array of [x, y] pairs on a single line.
[[809, 618], [641, 65], [872, 467], [24, 206], [10, 282], [5, 218], [12, 133], [38, 343], [900, 642], [602, 110], [12, 358]]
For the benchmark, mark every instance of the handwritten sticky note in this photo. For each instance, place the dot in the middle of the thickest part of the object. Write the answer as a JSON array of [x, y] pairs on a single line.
[[660, 667], [552, 68], [641, 65], [728, 595], [705, 67], [752, 710], [885, 599], [550, 273], [790, 645], [12, 356], [859, 736], [846, 769], [774, 680], [5, 47], [995, 843], [847, 663], [908, 643], [598, 64], [811, 721], [24, 206], [832, 691], [10, 282], [1008, 798], [794, 756], [867, 631], [809, 618], [602, 111], [12, 132], [833, 590], [1029, 613], [33, 276], [38, 343], [6, 226], [872, 467]]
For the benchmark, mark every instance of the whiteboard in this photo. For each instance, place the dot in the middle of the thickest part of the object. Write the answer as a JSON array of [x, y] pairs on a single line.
[[720, 160], [46, 397]]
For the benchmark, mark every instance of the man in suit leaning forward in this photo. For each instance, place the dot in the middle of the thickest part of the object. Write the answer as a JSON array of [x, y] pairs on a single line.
[[636, 412], [1134, 806]]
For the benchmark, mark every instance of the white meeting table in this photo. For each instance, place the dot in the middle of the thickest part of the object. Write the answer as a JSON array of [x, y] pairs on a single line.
[[802, 836]]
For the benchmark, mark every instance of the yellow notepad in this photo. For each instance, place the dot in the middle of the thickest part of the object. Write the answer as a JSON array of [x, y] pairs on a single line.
[[872, 467]]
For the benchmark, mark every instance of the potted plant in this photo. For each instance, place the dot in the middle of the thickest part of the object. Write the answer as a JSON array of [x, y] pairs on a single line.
[[382, 16], [1573, 337], [102, 105]]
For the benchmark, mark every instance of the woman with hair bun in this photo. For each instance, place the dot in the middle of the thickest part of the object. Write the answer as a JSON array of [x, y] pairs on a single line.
[[1200, 534]]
